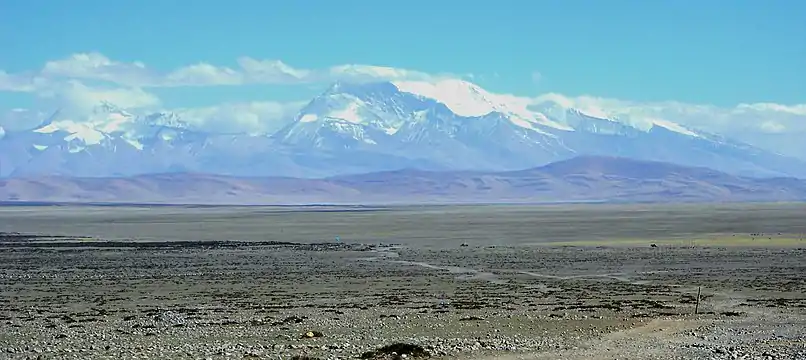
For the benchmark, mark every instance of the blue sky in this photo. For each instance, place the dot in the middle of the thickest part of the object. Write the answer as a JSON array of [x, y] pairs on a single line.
[[703, 52], [697, 51]]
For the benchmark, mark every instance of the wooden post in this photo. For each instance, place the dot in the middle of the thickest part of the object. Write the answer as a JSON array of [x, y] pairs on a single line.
[[697, 307]]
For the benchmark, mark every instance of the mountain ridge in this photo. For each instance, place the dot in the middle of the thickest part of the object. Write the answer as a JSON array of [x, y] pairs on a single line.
[[581, 179], [370, 127]]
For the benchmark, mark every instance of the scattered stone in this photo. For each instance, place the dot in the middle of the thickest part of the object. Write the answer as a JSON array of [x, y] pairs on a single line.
[[312, 334], [396, 351]]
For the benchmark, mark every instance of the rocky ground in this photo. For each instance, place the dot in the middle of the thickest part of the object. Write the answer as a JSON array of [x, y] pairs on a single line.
[[63, 297], [460, 282]]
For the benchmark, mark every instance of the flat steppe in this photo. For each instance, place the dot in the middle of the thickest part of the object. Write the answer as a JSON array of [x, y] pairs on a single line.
[[462, 282]]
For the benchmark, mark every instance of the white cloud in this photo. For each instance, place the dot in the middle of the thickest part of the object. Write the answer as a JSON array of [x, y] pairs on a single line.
[[204, 74], [96, 66], [249, 117], [272, 72], [359, 73], [740, 119], [74, 83], [775, 127], [17, 83], [75, 97], [772, 127], [794, 110]]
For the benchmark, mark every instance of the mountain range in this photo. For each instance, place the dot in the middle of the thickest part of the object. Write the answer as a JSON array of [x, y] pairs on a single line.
[[355, 128], [581, 179]]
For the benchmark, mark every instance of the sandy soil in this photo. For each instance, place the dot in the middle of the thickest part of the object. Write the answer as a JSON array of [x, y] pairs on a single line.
[[462, 282]]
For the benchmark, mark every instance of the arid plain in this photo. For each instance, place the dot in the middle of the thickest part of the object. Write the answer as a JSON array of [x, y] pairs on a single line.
[[453, 282]]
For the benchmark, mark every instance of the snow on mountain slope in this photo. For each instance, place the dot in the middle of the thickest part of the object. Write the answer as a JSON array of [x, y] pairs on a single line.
[[673, 127], [108, 122], [469, 100], [350, 128], [579, 116], [375, 113], [346, 114]]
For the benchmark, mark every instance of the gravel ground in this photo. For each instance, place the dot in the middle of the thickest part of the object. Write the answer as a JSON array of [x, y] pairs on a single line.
[[67, 298]]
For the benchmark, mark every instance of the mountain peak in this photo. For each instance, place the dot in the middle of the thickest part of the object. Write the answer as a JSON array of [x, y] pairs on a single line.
[[167, 119], [106, 107], [470, 100], [370, 126], [461, 97], [335, 87]]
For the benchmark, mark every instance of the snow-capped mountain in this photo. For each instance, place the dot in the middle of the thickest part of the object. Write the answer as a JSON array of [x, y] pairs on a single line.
[[469, 128], [350, 128], [109, 141]]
